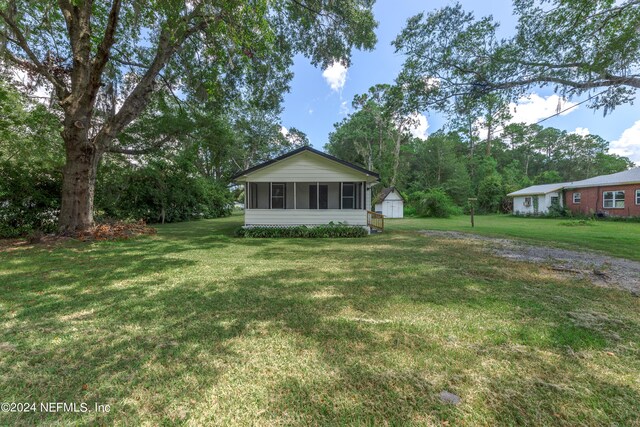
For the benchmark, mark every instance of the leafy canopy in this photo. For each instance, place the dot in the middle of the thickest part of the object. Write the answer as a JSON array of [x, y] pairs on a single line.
[[575, 46]]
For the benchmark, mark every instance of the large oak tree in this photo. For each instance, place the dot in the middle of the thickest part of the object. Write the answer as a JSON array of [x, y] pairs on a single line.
[[104, 59]]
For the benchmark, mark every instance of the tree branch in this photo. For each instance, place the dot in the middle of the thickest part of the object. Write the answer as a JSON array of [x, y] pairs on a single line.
[[609, 80], [168, 44], [102, 56], [139, 151], [35, 65]]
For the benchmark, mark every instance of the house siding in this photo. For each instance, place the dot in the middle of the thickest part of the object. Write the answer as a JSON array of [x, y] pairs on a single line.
[[591, 200], [304, 216], [306, 167], [544, 203]]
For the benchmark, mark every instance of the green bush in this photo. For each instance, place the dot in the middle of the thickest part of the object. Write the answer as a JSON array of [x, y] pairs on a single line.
[[434, 203], [557, 211], [29, 199], [329, 230], [159, 191], [490, 193]]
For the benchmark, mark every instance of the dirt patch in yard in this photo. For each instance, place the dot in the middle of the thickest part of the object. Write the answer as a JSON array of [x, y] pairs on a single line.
[[602, 270]]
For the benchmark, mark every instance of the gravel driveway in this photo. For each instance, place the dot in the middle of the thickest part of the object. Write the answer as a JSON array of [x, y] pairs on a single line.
[[603, 270]]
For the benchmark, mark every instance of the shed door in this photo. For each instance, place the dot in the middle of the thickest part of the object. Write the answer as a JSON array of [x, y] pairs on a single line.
[[396, 209]]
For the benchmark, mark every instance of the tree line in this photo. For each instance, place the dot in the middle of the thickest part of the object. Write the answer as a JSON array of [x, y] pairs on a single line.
[[460, 161]]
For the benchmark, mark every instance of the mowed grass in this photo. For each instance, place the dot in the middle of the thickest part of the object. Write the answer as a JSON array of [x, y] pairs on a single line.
[[196, 327], [621, 239]]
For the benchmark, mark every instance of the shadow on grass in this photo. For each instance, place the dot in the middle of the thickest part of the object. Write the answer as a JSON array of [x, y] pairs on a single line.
[[390, 322]]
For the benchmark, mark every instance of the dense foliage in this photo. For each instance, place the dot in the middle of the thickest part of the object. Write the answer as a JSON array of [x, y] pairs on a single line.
[[457, 160], [330, 230], [434, 203], [158, 192]]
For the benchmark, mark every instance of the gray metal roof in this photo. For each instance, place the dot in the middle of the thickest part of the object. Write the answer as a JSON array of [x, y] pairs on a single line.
[[630, 176], [539, 189]]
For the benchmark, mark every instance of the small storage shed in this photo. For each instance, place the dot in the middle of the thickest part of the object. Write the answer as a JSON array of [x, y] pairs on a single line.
[[390, 203]]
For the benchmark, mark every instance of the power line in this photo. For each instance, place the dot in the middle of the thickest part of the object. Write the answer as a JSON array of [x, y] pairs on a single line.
[[501, 128]]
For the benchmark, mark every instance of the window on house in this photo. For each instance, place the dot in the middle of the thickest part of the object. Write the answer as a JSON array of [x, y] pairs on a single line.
[[277, 196], [555, 201], [613, 199], [348, 195], [576, 198], [527, 202], [637, 197]]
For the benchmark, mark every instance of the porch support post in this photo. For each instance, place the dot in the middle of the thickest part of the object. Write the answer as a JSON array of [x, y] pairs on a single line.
[[340, 193], [270, 190], [317, 195], [295, 201]]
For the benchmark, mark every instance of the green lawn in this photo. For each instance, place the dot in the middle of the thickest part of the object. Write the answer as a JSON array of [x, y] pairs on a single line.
[[621, 239], [193, 326]]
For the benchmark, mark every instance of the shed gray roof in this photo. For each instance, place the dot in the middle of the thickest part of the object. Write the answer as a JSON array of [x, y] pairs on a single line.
[[539, 189], [384, 193], [630, 176]]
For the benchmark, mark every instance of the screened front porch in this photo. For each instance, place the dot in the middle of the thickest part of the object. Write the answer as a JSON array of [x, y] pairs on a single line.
[[306, 195], [305, 203]]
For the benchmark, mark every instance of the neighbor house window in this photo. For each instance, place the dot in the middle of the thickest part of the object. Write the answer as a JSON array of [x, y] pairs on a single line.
[[277, 196], [348, 195], [637, 197], [613, 199], [527, 202], [576, 198], [555, 201]]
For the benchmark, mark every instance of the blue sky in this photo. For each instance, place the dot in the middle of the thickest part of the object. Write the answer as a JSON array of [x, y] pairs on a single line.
[[317, 101]]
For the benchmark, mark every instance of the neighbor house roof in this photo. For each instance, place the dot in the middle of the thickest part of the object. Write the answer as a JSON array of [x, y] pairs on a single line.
[[539, 189], [385, 192], [300, 150], [630, 176]]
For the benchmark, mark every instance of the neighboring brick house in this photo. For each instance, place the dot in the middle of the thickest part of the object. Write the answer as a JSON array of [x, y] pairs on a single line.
[[617, 194]]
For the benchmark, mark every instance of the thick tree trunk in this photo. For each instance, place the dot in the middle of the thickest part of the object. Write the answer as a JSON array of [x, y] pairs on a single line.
[[78, 187]]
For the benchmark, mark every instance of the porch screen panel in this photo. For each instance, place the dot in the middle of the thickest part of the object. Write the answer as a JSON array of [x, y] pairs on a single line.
[[261, 194], [278, 195], [302, 195], [348, 195], [288, 196], [318, 196], [334, 195]]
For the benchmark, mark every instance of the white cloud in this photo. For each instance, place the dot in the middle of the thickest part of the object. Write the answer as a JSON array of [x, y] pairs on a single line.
[[284, 131], [336, 76], [628, 144], [582, 131], [344, 108], [310, 110], [419, 129], [532, 108]]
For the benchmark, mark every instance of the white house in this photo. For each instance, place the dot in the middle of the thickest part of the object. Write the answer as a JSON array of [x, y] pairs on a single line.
[[307, 187], [537, 199], [390, 203]]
